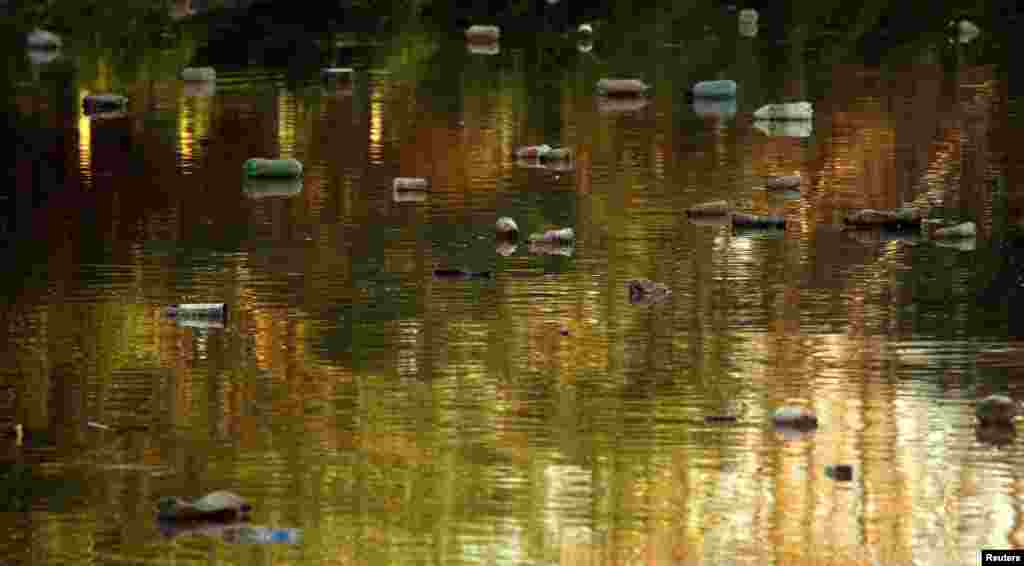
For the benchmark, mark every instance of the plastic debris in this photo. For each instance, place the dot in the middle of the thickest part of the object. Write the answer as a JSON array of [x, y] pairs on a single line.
[[785, 128], [258, 167], [42, 39], [785, 111], [712, 208], [487, 34], [198, 310], [715, 89], [198, 74], [97, 103], [839, 472], [621, 87]]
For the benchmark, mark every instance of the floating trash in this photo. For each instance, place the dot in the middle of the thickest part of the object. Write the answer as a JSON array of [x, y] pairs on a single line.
[[557, 154], [264, 187], [337, 72], [796, 418], [715, 89], [541, 247], [902, 217], [585, 45], [749, 15], [783, 182], [42, 39], [506, 228], [585, 28], [785, 128], [485, 34], [720, 419], [748, 29], [557, 235], [621, 87], [198, 310], [645, 291], [198, 74], [758, 221], [219, 505], [103, 103], [997, 409], [785, 111], [966, 31], [258, 167], [962, 230], [712, 208], [410, 184], [532, 151], [839, 472]]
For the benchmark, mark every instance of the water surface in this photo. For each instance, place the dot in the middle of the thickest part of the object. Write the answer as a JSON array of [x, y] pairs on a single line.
[[536, 416]]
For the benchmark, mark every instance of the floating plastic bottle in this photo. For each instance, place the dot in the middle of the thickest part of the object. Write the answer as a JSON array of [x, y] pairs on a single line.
[[198, 74], [257, 167], [198, 310], [715, 89], [96, 103], [42, 39], [785, 111], [410, 184], [621, 87], [486, 34]]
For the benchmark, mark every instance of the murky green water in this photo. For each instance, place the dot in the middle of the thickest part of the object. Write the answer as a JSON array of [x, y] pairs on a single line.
[[537, 416]]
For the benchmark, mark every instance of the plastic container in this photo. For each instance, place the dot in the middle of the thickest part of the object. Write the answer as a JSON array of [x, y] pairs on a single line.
[[532, 151], [95, 103], [785, 111], [410, 184], [198, 74], [557, 154], [485, 34], [715, 89], [621, 87], [785, 128], [199, 310], [557, 235], [42, 39], [278, 168]]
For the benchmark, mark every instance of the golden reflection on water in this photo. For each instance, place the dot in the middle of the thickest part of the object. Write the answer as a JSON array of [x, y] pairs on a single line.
[[84, 141], [536, 416]]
